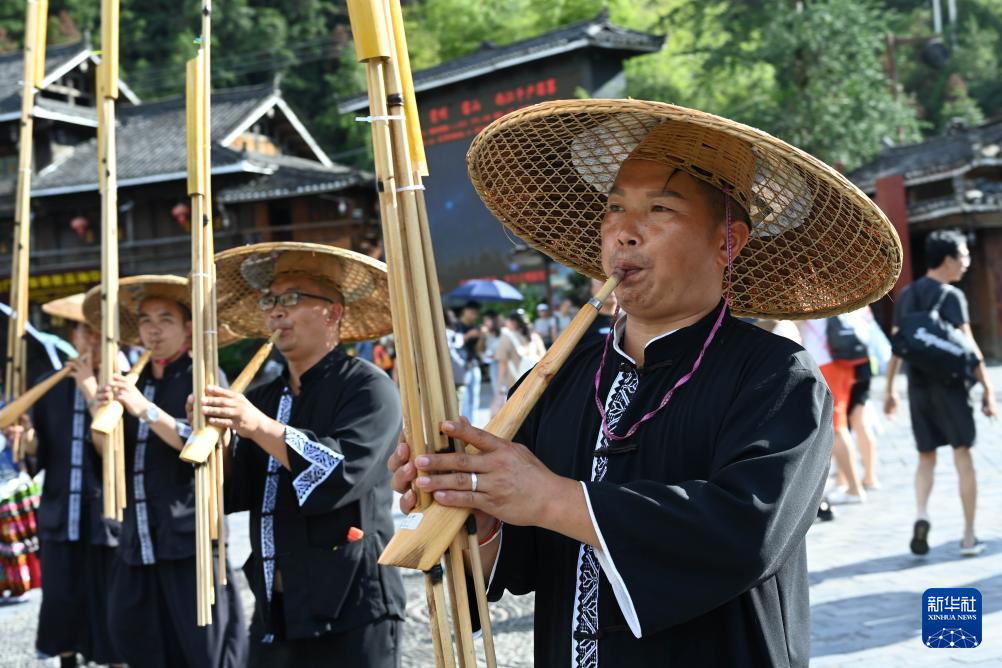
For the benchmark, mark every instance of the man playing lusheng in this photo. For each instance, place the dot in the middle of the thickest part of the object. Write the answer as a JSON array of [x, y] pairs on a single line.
[[310, 461], [657, 497], [152, 600], [77, 542]]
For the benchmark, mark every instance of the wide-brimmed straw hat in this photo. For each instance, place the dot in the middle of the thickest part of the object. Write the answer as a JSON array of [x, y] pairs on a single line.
[[245, 273], [132, 291], [68, 308], [818, 245]]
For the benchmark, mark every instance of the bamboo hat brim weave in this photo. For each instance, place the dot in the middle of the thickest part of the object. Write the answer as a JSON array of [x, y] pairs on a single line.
[[132, 292], [245, 273], [68, 308], [818, 245]]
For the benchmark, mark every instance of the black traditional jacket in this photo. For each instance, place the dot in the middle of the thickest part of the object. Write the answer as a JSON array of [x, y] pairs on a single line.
[[305, 523], [701, 514], [159, 519], [71, 507]]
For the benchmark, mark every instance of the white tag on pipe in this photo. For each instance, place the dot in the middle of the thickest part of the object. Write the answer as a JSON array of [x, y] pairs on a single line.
[[412, 521]]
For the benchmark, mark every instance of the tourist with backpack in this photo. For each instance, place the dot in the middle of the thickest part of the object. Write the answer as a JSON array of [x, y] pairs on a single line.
[[932, 333], [837, 350]]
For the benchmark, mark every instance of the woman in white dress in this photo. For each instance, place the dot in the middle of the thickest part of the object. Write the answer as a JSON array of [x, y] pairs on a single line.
[[518, 349]]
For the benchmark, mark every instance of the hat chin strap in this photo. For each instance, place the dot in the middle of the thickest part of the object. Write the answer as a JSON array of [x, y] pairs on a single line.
[[730, 244]]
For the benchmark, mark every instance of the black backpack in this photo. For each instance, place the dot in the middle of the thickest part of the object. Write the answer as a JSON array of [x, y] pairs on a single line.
[[934, 346], [843, 341]]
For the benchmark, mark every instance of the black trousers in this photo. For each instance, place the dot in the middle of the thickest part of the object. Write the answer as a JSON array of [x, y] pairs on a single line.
[[74, 613], [373, 645], [153, 623]]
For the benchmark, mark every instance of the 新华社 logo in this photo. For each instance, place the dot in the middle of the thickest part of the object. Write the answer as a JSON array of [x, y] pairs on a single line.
[[951, 618]]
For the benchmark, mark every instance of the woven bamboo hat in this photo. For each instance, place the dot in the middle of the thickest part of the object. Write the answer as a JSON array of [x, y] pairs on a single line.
[[818, 245], [132, 291], [245, 273], [67, 308]]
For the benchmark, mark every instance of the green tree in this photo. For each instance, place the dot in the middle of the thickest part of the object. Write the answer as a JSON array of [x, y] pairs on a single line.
[[809, 72]]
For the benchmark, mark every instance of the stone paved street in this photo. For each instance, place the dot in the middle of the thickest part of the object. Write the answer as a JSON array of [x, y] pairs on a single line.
[[865, 584]]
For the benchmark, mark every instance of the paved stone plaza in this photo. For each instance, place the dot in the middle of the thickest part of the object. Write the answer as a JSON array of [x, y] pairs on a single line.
[[865, 585]]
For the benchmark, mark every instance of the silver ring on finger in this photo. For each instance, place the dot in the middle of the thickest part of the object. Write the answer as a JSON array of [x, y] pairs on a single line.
[[473, 482]]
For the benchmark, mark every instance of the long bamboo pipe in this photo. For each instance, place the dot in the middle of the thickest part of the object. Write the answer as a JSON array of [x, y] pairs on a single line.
[[427, 534], [36, 21], [204, 440], [15, 409], [109, 415]]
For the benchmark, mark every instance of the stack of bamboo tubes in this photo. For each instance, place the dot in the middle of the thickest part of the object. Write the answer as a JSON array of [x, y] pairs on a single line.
[[107, 425], [209, 517], [15, 381], [425, 370]]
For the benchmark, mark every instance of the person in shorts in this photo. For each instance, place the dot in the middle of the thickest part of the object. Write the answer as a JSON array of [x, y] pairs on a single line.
[[942, 413]]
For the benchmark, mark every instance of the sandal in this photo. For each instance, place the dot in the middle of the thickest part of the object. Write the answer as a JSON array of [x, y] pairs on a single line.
[[920, 536]]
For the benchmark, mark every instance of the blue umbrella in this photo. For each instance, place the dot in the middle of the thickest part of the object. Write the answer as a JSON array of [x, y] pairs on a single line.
[[487, 290]]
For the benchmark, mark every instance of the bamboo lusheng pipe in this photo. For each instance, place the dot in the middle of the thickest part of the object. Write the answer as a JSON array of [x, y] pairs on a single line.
[[15, 409], [205, 449], [109, 415], [409, 305], [427, 534], [201, 443], [111, 426], [401, 310], [33, 72], [407, 132]]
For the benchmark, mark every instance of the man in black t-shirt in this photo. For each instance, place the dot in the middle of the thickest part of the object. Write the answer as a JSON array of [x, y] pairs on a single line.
[[941, 413]]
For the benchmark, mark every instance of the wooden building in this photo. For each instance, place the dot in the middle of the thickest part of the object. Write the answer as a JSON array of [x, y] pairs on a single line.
[[460, 97], [271, 179], [952, 181]]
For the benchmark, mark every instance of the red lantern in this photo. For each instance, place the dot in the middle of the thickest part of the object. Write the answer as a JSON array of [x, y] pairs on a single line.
[[80, 225], [181, 213]]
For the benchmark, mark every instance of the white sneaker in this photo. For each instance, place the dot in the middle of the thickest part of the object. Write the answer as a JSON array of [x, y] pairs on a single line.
[[973, 550], [840, 497]]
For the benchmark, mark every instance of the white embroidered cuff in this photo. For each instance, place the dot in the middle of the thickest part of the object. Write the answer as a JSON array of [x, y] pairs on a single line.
[[322, 462], [183, 429], [612, 573]]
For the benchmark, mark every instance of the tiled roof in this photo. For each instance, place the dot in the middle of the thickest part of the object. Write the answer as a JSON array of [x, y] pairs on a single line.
[[12, 71], [293, 177], [936, 158], [597, 32], [152, 143]]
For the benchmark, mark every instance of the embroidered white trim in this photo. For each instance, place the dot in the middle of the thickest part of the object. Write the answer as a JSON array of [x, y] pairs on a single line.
[[139, 485], [76, 468], [585, 619], [322, 461], [268, 501], [612, 573], [183, 429]]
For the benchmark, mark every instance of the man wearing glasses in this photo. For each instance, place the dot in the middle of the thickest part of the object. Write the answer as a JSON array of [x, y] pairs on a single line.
[[310, 460]]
